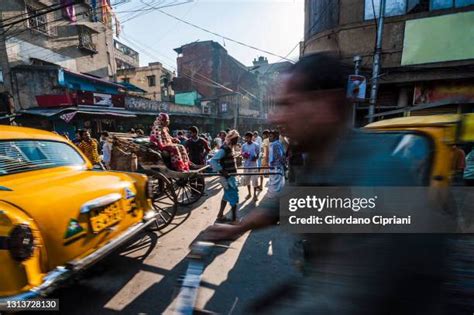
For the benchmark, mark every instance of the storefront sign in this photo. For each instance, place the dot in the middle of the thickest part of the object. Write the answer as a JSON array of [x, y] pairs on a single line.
[[356, 87], [145, 105], [446, 92], [103, 99]]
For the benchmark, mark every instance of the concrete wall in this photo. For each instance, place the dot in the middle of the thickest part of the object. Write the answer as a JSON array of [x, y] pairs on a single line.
[[27, 84], [125, 55]]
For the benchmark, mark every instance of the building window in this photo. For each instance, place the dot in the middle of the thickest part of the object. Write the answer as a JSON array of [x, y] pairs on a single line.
[[38, 23], [164, 80], [224, 107], [448, 4], [392, 8], [151, 80], [323, 15], [85, 39]]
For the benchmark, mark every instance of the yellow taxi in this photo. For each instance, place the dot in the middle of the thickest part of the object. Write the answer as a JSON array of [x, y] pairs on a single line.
[[57, 214], [441, 133]]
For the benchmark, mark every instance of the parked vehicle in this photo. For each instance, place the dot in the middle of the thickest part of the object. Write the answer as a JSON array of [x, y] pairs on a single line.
[[57, 215], [436, 133]]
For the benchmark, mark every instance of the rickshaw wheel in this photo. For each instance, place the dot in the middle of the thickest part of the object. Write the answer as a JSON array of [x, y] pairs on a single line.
[[188, 190], [164, 200]]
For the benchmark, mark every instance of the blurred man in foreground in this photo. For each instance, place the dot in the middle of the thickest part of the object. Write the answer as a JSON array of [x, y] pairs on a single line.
[[345, 273]]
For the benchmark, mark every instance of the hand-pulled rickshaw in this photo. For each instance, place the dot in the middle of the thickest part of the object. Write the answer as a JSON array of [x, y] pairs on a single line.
[[170, 188]]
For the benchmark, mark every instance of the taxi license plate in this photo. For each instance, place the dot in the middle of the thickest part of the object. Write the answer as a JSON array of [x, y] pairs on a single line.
[[102, 218]]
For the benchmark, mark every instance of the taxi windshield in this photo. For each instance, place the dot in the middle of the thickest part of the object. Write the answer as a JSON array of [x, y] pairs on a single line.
[[18, 156]]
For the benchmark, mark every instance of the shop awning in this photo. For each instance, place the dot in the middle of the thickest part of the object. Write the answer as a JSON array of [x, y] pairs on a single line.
[[50, 112], [131, 87], [46, 112]]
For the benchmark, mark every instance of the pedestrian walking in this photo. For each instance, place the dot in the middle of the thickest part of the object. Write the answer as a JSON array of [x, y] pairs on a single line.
[[224, 163], [220, 139], [90, 147], [276, 160], [250, 153], [77, 138], [181, 137], [106, 142], [257, 139], [264, 155], [197, 147]]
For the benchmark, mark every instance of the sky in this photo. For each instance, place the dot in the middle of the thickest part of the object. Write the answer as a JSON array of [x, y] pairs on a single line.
[[272, 25]]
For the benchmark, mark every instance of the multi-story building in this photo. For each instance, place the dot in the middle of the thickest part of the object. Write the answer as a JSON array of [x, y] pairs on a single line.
[[125, 56], [217, 82], [268, 80], [153, 79], [76, 37], [427, 52]]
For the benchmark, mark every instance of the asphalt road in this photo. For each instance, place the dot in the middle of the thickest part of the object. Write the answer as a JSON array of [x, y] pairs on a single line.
[[142, 278]]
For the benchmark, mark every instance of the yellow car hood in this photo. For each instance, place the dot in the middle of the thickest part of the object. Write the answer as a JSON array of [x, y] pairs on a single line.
[[53, 199]]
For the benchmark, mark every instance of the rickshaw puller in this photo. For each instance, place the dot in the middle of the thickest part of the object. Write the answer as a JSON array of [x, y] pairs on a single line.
[[224, 162]]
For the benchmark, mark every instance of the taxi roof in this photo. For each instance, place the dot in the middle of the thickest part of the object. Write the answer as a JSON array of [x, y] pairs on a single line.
[[416, 121], [13, 132]]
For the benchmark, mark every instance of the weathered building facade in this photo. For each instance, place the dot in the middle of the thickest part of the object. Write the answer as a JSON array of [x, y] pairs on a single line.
[[125, 56], [208, 77], [76, 37], [268, 79], [154, 79], [427, 55]]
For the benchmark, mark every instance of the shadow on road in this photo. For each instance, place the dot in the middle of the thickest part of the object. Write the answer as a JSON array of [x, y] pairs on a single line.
[[262, 262]]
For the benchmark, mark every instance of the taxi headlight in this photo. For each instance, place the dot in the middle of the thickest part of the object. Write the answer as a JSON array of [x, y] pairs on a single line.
[[21, 242]]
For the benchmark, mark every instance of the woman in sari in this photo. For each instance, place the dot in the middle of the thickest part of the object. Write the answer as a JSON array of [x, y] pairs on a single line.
[[160, 136]]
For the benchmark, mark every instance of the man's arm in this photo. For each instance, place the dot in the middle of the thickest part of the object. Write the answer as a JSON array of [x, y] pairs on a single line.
[[215, 161], [206, 146], [257, 219]]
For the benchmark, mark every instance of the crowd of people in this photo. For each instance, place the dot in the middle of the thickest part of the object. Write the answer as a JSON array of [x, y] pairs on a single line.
[[191, 150], [344, 273]]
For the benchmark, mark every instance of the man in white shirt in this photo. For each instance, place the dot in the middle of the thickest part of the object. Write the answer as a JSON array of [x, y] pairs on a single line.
[[257, 139], [106, 149], [250, 154]]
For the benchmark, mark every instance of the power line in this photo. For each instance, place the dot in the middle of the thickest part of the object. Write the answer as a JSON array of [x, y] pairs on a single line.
[[302, 40], [153, 8], [39, 14], [209, 82], [145, 51], [67, 23], [222, 36], [26, 13]]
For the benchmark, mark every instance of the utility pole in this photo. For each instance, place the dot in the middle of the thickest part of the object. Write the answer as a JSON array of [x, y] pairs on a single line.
[[357, 60], [236, 110], [377, 62]]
